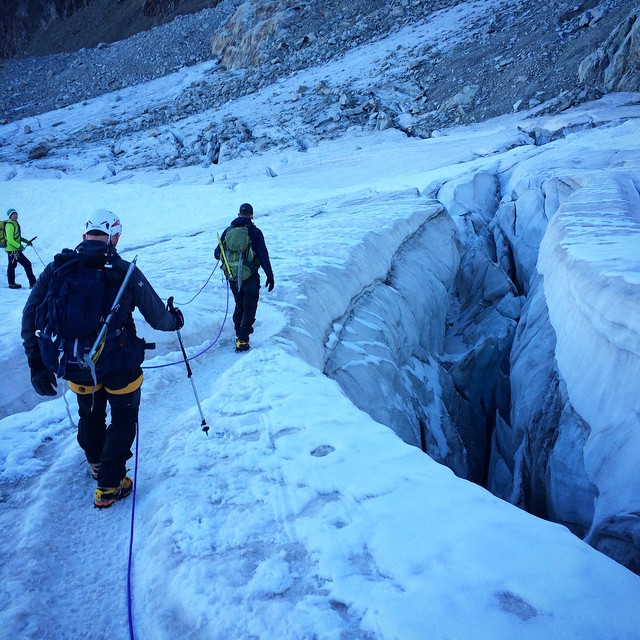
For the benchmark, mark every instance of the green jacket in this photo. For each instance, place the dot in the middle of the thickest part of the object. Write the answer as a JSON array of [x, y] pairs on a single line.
[[12, 236]]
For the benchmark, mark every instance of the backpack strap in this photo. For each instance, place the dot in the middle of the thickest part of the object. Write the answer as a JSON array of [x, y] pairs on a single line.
[[241, 267]]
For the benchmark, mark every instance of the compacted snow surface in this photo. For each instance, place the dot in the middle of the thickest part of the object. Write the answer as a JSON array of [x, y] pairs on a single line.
[[298, 515]]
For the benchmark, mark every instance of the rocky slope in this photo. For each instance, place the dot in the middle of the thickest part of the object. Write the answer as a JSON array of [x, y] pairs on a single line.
[[519, 56]]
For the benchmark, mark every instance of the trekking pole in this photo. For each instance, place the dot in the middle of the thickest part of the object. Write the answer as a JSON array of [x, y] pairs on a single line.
[[31, 245], [204, 425]]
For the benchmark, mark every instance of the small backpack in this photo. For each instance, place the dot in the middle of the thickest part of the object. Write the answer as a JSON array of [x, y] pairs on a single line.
[[238, 255], [3, 240], [74, 310]]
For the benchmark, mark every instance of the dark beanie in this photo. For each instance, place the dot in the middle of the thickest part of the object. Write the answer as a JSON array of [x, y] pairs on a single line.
[[246, 209]]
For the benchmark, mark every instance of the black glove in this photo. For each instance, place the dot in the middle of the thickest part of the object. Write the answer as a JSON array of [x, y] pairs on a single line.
[[176, 313], [29, 243], [270, 284], [43, 380]]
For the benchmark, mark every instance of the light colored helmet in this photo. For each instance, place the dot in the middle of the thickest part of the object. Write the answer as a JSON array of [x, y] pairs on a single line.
[[105, 221]]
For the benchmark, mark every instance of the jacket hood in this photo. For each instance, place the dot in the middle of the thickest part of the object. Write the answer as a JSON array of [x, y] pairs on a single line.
[[241, 221], [94, 247], [96, 250]]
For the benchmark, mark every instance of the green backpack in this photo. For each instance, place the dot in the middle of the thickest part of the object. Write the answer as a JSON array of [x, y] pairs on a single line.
[[238, 257], [3, 240]]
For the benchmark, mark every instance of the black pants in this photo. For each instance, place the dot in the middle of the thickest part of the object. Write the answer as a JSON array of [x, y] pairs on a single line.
[[111, 446], [246, 306], [19, 258]]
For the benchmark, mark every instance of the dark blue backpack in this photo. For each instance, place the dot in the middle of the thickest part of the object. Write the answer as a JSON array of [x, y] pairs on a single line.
[[77, 302]]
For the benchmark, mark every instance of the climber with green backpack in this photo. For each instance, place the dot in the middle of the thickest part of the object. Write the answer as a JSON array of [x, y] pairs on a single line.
[[242, 250]]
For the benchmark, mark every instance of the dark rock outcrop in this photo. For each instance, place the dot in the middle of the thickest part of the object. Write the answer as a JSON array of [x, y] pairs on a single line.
[[42, 27], [615, 66]]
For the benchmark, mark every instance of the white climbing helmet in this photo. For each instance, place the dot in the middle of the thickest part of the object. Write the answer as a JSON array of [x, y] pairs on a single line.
[[105, 221]]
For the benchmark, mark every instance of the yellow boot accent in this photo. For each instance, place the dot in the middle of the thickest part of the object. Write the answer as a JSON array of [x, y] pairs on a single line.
[[242, 345], [106, 496]]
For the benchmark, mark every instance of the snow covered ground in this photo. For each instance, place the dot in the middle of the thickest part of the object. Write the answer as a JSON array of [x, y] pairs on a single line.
[[298, 516]]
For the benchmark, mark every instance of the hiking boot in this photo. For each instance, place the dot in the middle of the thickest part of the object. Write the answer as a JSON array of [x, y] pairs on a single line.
[[242, 345], [15, 286], [95, 467], [106, 496]]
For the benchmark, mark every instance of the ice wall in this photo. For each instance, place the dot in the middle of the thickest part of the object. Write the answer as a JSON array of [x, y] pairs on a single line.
[[381, 350], [496, 327], [483, 310], [570, 449], [590, 260], [425, 349]]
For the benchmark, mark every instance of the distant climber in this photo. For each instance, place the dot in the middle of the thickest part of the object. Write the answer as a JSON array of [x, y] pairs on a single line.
[[14, 246], [243, 251]]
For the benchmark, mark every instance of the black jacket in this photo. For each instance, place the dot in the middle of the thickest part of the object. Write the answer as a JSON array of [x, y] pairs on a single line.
[[257, 243], [138, 293]]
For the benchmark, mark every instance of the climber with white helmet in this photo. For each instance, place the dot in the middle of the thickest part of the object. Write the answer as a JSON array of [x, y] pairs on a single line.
[[78, 325]]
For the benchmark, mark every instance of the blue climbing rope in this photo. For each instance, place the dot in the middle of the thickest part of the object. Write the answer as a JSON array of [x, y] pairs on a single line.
[[224, 320], [184, 304], [133, 519], [135, 474]]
